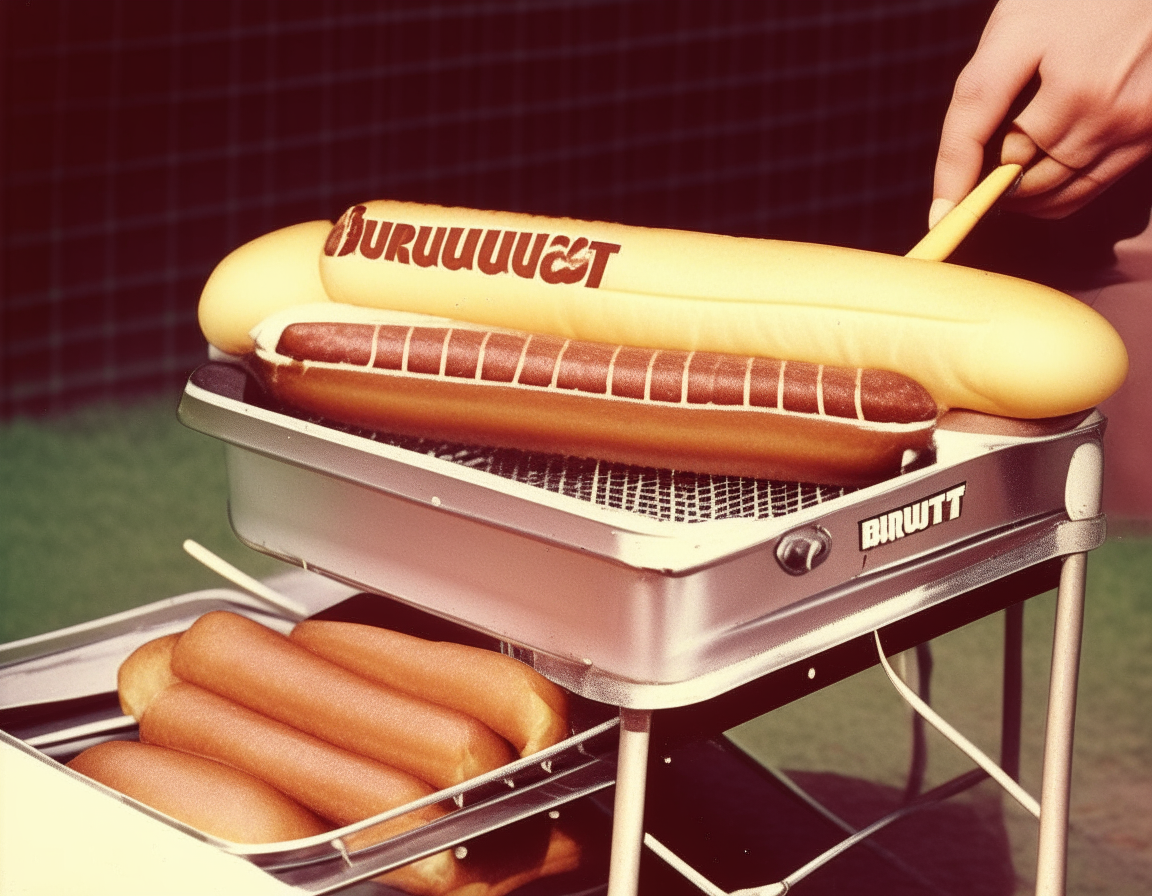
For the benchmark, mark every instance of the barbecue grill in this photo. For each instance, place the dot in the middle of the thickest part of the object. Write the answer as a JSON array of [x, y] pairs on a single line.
[[667, 603]]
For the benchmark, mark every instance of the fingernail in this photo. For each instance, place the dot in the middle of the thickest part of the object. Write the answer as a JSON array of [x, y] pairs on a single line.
[[940, 207]]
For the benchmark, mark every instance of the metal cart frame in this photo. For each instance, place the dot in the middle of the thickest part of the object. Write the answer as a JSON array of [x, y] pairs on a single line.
[[672, 624]]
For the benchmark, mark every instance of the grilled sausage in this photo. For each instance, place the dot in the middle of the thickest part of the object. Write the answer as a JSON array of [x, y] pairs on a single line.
[[702, 412], [264, 671], [233, 805], [510, 697], [202, 793], [337, 785]]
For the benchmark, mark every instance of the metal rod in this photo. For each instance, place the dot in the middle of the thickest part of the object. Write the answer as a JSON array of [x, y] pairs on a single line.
[[936, 794], [1012, 700], [76, 732], [824, 812], [1056, 781], [962, 743], [918, 764], [689, 873], [780, 888], [628, 808], [291, 608]]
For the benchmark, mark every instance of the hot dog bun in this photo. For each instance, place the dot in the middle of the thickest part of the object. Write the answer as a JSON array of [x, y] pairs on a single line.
[[490, 869], [144, 674], [975, 340], [701, 412], [207, 795], [264, 671], [510, 697], [273, 271], [307, 775], [495, 864]]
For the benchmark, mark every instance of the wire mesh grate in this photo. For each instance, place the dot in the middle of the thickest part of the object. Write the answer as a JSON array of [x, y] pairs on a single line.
[[666, 495]]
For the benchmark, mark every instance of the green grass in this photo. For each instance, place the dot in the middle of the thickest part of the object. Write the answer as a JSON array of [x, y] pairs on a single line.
[[94, 507]]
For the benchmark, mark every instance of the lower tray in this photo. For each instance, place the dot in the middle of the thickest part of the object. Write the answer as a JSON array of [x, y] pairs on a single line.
[[57, 697]]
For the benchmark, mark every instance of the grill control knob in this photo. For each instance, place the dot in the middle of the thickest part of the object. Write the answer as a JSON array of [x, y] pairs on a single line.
[[802, 550]]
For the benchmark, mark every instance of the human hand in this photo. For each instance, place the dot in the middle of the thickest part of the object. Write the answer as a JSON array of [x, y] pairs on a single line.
[[1089, 122]]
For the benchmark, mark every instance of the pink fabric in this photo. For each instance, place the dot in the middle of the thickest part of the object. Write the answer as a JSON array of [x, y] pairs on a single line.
[[1127, 304]]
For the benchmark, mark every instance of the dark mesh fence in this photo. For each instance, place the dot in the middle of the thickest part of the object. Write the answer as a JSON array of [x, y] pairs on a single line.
[[143, 140]]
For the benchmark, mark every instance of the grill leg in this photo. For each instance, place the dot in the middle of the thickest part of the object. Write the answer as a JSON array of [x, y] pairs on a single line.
[[628, 808], [1012, 700], [1056, 784]]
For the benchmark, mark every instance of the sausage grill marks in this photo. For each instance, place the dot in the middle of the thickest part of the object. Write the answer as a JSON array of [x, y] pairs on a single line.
[[672, 377]]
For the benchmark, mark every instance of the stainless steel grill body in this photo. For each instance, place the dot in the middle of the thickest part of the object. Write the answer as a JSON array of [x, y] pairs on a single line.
[[614, 605]]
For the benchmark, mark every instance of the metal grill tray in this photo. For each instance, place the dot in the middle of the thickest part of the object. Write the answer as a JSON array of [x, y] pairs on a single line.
[[615, 605], [57, 697]]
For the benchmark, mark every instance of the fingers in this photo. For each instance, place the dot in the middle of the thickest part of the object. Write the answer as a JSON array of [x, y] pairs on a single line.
[[939, 210], [1095, 91], [1046, 176], [1052, 189], [979, 105], [1090, 120], [1003, 65], [1018, 148]]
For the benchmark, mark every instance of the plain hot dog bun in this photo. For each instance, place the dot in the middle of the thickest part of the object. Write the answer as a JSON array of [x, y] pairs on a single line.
[[207, 795], [264, 671], [145, 673], [513, 699], [273, 271], [702, 412]]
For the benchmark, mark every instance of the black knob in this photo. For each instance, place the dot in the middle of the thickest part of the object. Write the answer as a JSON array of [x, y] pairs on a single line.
[[802, 550]]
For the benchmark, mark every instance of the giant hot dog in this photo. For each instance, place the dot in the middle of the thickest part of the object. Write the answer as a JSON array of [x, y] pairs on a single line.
[[975, 340], [697, 411]]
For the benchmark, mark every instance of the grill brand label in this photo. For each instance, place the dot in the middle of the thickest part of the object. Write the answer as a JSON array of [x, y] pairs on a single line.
[[912, 518], [551, 257]]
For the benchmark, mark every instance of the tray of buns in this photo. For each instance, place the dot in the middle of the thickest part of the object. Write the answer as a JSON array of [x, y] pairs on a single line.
[[623, 605], [64, 699]]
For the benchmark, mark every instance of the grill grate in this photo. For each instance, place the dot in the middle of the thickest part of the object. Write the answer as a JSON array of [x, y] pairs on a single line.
[[666, 495]]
